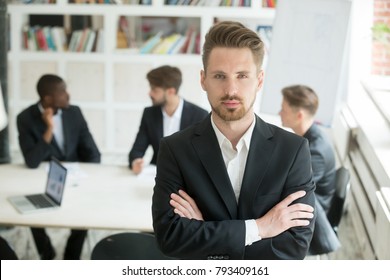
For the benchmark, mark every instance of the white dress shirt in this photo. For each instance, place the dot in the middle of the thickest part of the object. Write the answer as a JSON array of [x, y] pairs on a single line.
[[235, 162], [171, 124], [58, 130]]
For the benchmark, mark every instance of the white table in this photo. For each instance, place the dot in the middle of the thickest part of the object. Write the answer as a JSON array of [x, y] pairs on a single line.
[[96, 197]]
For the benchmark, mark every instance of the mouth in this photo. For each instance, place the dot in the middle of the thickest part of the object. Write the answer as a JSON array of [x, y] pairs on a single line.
[[231, 103]]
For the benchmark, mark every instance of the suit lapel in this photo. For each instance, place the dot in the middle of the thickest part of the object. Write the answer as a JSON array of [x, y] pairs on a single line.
[[185, 116], [260, 153], [212, 160], [158, 117]]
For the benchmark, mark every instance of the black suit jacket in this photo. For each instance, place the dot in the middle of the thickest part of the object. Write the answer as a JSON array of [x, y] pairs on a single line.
[[323, 163], [79, 144], [151, 128], [278, 164]]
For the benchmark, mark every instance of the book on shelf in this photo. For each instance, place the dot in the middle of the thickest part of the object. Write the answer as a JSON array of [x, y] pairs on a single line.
[[49, 38], [90, 41], [84, 40], [177, 46], [99, 41], [41, 39], [151, 43], [191, 42], [269, 3], [59, 38], [166, 44], [127, 26]]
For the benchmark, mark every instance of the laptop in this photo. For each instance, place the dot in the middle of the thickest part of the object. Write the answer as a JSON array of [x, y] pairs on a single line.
[[49, 200]]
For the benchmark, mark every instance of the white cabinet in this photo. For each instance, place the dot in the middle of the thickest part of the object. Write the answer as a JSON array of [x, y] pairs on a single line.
[[109, 84]]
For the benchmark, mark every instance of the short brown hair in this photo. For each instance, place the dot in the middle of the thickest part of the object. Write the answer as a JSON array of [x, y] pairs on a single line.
[[165, 77], [300, 96], [233, 34]]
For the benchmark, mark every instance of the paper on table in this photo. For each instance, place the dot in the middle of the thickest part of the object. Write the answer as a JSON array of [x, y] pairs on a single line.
[[148, 171], [75, 173]]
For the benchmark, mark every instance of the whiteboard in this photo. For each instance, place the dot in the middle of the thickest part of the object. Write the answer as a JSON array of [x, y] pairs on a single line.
[[308, 47]]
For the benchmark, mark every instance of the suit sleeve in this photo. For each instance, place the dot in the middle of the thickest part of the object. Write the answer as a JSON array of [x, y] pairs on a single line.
[[87, 149], [293, 243], [141, 142], [33, 147]]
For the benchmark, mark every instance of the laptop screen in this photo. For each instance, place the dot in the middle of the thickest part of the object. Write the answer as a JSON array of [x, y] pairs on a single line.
[[56, 181]]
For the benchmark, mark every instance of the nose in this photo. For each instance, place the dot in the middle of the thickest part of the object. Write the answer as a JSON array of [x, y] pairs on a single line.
[[230, 87]]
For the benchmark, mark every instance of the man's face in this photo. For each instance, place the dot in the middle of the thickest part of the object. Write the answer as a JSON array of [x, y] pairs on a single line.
[[231, 82], [288, 115], [158, 96], [59, 97]]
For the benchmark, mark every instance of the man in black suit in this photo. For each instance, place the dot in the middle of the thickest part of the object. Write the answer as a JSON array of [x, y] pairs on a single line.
[[49, 128], [169, 113], [233, 186], [299, 106]]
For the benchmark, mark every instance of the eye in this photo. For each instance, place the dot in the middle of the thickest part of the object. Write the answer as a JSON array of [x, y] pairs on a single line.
[[219, 76], [242, 76]]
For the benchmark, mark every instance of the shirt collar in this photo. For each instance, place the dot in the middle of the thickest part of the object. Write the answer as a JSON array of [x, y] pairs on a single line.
[[246, 138], [178, 112]]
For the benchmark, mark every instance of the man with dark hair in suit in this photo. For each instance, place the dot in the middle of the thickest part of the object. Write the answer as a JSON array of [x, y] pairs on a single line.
[[169, 114], [233, 186], [299, 106], [53, 128]]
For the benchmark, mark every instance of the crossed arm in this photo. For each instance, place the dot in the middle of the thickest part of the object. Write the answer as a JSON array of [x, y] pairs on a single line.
[[280, 218]]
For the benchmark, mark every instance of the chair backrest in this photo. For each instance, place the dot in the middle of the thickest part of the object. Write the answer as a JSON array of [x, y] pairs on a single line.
[[6, 252], [128, 246], [337, 205]]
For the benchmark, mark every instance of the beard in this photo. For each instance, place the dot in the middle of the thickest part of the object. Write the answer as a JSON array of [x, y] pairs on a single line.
[[160, 102], [233, 114]]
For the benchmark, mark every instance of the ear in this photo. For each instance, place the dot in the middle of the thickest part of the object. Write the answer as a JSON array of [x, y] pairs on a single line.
[[171, 91], [260, 80], [202, 79], [300, 114]]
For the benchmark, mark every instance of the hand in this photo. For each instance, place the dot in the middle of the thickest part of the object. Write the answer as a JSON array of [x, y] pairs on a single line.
[[284, 216], [137, 165], [47, 117], [185, 206]]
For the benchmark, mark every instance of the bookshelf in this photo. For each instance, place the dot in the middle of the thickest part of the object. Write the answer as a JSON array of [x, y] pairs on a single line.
[[109, 82]]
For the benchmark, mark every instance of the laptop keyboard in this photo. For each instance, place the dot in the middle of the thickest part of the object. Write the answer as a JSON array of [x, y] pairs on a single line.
[[39, 201]]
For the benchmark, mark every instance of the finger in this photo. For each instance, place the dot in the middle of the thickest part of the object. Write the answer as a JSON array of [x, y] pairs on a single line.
[[290, 198], [300, 207], [179, 213], [182, 206], [188, 198], [299, 223], [179, 199], [301, 215]]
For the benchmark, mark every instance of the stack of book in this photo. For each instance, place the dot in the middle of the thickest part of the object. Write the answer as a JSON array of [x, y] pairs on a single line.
[[47, 38], [172, 44]]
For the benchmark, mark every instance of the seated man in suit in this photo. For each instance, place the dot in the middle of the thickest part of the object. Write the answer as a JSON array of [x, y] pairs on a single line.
[[299, 106], [169, 113], [52, 127], [233, 186]]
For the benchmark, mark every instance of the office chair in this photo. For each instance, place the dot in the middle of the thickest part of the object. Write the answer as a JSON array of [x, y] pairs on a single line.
[[336, 209], [128, 246], [6, 252]]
